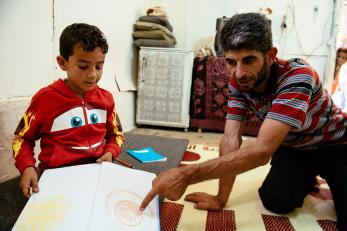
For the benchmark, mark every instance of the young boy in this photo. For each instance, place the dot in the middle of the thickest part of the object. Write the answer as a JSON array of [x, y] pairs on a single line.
[[74, 118]]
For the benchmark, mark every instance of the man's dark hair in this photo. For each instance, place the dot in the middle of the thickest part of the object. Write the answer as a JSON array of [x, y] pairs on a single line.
[[250, 31], [88, 36]]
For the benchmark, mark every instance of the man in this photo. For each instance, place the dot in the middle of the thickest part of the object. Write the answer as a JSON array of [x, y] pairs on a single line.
[[303, 132]]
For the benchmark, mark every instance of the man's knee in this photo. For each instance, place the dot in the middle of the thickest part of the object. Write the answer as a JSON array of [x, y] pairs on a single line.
[[276, 202]]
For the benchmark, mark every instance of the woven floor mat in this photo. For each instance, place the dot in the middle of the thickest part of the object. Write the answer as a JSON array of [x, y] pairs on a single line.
[[244, 210]]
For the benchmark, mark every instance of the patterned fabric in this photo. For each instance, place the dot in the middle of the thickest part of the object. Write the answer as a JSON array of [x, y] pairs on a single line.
[[170, 214], [294, 96], [324, 192], [244, 210], [221, 220], [209, 96], [209, 93], [277, 223], [327, 225]]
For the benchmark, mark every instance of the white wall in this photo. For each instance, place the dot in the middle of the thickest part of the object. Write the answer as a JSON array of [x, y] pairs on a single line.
[[26, 46], [115, 19], [29, 37], [341, 40], [308, 24], [29, 43]]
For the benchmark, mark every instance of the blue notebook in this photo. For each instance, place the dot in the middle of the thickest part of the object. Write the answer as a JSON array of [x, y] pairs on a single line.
[[146, 155]]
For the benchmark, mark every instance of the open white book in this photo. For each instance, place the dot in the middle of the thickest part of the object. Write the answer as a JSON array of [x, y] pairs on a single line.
[[91, 197]]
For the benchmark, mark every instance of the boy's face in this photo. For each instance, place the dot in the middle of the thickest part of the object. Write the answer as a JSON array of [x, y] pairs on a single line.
[[83, 68]]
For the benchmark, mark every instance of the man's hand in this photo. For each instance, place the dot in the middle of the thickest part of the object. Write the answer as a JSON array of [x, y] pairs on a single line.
[[170, 184], [106, 157], [29, 180], [205, 201]]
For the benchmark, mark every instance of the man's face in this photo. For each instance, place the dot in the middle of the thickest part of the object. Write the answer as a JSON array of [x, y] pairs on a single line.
[[249, 68], [83, 68]]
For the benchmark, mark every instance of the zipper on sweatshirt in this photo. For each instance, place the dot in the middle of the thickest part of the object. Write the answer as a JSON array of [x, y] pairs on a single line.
[[87, 124]]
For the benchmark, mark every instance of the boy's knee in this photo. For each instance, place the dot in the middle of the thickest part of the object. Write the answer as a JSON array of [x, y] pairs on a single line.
[[276, 203]]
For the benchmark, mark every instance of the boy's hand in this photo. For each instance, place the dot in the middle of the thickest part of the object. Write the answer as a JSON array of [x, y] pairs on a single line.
[[106, 157], [29, 180]]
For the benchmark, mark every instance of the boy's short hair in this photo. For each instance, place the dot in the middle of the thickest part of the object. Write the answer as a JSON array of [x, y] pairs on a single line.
[[250, 31], [88, 36]]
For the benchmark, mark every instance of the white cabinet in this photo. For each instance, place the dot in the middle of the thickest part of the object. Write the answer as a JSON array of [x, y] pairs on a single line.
[[164, 85]]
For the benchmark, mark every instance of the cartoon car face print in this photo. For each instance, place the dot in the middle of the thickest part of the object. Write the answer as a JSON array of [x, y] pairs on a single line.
[[75, 118]]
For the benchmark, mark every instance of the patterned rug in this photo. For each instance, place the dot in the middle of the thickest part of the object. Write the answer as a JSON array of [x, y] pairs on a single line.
[[244, 210], [209, 96]]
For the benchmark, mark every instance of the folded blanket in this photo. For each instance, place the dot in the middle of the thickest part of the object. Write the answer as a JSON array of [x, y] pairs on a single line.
[[152, 26], [152, 34], [153, 43], [158, 20]]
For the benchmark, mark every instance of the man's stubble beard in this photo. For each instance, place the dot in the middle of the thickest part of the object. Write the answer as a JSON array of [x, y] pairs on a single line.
[[263, 75]]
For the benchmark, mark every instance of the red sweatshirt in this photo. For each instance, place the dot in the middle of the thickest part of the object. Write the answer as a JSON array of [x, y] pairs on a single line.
[[72, 130]]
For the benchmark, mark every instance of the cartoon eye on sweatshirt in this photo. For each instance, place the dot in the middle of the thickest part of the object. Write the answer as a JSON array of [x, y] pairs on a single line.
[[75, 118], [96, 116]]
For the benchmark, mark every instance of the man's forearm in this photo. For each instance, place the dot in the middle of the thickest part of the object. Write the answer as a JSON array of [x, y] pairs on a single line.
[[226, 166], [225, 186]]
